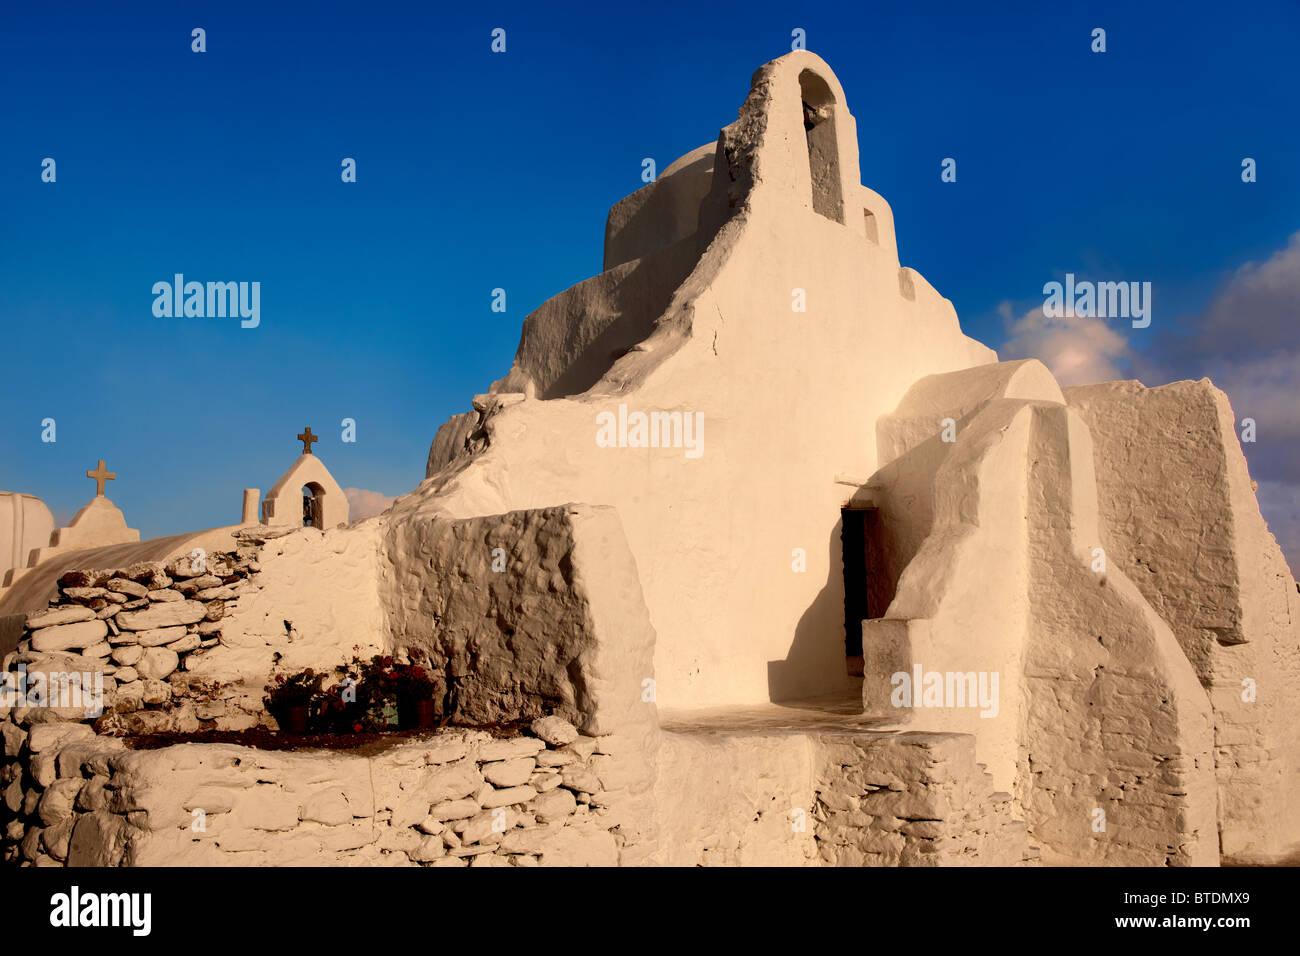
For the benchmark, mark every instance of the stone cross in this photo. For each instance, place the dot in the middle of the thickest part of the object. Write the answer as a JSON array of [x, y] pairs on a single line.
[[306, 438], [101, 475]]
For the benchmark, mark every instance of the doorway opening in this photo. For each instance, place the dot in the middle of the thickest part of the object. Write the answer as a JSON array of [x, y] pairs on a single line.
[[864, 585]]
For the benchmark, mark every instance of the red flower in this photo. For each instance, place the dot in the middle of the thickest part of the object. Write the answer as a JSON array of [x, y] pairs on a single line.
[[356, 728]]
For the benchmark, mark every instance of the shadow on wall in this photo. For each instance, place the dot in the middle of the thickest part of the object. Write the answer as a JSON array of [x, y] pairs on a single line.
[[815, 664], [662, 213], [627, 301]]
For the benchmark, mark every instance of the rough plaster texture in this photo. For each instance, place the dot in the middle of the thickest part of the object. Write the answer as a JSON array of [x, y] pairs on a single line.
[[430, 801], [1181, 519], [532, 613], [913, 799], [962, 593], [313, 600], [728, 799], [788, 798], [1115, 719], [952, 512], [1098, 708], [754, 290], [662, 213], [728, 346], [831, 798], [527, 613]]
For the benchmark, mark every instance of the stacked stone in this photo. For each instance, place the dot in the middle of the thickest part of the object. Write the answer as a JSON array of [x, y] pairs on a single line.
[[456, 798], [913, 799], [57, 798], [139, 628], [512, 805]]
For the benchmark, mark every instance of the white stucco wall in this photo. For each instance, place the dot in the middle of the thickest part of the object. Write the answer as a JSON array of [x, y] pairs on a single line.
[[789, 401]]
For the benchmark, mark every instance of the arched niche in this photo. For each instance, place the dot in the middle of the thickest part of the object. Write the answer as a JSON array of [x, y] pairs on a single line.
[[818, 103]]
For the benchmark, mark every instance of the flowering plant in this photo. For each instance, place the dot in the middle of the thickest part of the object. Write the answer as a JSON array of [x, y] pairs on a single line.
[[296, 690], [414, 682], [384, 680], [342, 709], [366, 698]]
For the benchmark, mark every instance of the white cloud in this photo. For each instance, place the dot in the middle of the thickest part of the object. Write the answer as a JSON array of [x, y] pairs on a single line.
[[366, 504], [1256, 308], [1079, 351]]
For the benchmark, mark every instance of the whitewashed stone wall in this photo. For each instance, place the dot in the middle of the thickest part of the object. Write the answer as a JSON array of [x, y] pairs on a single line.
[[120, 801], [535, 612], [141, 629], [832, 798], [81, 790], [1164, 455], [455, 798], [913, 800]]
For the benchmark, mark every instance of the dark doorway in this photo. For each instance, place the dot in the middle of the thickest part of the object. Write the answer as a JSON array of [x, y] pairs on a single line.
[[860, 538]]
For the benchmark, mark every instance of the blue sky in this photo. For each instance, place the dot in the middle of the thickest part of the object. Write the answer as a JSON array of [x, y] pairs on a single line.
[[479, 170]]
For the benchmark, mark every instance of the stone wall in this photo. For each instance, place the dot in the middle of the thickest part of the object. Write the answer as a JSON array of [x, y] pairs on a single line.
[[912, 800], [527, 613], [140, 630], [823, 797], [727, 799], [145, 631], [1182, 521], [533, 613], [454, 798], [1116, 750]]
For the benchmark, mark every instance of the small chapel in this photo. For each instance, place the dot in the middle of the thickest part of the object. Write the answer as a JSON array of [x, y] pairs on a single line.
[[34, 552]]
